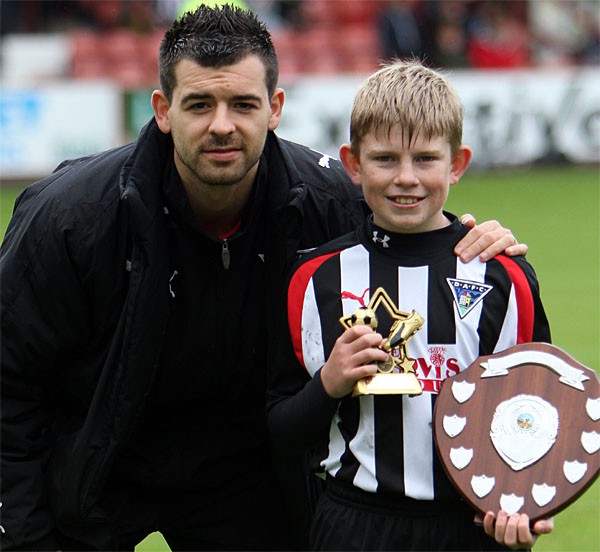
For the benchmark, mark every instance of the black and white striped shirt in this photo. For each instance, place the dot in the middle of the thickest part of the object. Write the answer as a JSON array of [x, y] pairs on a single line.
[[384, 444]]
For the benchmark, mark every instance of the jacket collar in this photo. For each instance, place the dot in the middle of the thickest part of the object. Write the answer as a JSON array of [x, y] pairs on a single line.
[[144, 170], [142, 174]]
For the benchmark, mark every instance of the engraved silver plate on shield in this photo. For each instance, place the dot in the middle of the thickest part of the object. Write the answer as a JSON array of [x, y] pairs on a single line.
[[523, 430]]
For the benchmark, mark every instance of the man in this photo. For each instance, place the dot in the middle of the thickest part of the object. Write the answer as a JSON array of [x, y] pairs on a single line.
[[138, 286]]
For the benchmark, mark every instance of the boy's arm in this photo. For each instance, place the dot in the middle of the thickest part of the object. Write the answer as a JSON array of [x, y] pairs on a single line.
[[487, 240], [300, 408]]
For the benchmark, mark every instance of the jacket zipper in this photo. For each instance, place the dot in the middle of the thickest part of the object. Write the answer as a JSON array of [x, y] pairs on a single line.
[[225, 254]]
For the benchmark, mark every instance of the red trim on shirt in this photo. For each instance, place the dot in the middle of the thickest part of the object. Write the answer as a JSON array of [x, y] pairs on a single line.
[[525, 307], [232, 231], [296, 293]]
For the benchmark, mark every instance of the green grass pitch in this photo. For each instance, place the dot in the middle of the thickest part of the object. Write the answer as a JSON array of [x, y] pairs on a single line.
[[556, 211]]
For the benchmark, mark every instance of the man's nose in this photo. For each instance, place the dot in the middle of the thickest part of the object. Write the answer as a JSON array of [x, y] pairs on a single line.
[[222, 122]]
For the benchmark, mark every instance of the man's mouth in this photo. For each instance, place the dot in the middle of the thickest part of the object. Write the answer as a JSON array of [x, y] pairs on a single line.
[[222, 153]]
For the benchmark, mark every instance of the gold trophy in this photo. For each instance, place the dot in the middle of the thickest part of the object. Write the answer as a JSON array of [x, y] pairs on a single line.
[[396, 375]]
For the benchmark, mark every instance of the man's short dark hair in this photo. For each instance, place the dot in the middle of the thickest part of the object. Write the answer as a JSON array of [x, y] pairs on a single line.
[[216, 37]]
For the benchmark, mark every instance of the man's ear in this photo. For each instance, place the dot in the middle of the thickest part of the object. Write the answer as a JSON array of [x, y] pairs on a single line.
[[460, 163], [277, 100], [351, 163], [160, 105]]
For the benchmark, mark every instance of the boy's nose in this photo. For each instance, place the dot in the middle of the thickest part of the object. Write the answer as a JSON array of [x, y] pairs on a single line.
[[405, 175]]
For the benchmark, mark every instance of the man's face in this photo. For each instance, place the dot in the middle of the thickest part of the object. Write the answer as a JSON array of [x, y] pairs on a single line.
[[218, 119]]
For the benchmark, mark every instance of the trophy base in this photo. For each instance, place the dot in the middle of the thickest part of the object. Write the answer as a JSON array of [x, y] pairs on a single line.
[[405, 383]]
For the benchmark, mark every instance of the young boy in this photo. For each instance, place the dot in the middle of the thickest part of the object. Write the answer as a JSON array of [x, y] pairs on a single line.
[[385, 488]]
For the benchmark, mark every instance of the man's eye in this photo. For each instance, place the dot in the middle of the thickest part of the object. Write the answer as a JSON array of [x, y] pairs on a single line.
[[198, 106]]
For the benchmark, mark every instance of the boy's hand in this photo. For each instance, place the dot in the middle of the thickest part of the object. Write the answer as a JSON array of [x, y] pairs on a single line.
[[487, 240], [513, 530], [353, 357]]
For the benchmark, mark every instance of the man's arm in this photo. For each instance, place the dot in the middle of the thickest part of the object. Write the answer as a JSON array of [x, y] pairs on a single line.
[[43, 315], [487, 240]]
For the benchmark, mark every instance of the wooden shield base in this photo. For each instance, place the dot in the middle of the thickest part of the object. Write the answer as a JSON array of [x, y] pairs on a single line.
[[469, 405]]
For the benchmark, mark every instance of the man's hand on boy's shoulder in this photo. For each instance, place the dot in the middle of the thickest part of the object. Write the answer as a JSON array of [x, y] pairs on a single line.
[[487, 240]]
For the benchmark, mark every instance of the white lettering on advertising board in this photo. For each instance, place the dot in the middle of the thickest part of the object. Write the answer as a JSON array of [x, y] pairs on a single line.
[[45, 125], [511, 117]]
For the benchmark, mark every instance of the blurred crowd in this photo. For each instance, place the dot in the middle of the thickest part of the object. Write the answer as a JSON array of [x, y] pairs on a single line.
[[309, 34], [493, 34]]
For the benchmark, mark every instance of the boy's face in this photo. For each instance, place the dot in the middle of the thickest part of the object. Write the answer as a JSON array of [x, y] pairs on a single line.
[[406, 186]]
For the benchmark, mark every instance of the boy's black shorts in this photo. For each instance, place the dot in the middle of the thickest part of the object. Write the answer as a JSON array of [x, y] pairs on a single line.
[[350, 519]]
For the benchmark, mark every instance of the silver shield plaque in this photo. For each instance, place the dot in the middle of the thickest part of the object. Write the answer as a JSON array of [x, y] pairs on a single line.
[[523, 430]]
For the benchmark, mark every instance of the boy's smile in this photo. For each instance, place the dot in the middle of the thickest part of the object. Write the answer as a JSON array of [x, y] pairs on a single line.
[[406, 184]]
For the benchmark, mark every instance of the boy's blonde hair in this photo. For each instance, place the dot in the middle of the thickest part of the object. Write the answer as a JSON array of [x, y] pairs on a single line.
[[406, 93]]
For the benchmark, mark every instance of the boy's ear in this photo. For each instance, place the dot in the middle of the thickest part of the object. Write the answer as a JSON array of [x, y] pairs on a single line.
[[351, 163], [460, 163]]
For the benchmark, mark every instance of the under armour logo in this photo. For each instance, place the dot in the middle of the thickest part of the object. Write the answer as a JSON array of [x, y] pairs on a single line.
[[383, 241]]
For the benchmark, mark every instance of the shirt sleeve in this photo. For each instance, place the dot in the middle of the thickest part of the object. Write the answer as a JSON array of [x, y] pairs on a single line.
[[299, 409], [532, 322]]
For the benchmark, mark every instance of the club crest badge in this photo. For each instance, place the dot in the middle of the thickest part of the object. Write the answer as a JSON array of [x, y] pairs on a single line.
[[467, 294]]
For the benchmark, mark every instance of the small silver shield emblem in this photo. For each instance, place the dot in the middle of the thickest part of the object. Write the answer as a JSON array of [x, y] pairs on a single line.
[[574, 471], [592, 407], [461, 457], [590, 440], [453, 425], [542, 494], [462, 390], [482, 485], [512, 503]]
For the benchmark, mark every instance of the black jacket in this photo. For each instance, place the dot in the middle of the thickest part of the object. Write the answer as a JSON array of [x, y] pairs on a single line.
[[85, 288]]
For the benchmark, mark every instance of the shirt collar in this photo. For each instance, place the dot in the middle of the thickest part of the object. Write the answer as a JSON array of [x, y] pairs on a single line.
[[418, 244]]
